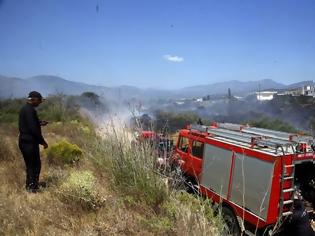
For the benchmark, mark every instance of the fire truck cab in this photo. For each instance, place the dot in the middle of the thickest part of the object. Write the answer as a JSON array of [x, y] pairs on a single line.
[[252, 173]]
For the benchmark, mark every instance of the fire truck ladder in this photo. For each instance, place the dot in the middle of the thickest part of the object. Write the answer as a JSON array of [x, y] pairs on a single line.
[[287, 187], [232, 132], [295, 138]]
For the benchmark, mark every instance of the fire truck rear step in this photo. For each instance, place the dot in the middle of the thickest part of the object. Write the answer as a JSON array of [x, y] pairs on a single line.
[[287, 213], [288, 190], [287, 202], [289, 166], [288, 177]]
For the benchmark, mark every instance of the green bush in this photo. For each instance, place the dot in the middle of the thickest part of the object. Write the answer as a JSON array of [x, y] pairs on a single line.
[[64, 152], [54, 109], [59, 108], [80, 188], [9, 110], [93, 97]]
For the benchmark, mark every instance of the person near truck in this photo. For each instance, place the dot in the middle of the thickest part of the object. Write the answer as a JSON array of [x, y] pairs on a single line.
[[30, 138], [298, 224]]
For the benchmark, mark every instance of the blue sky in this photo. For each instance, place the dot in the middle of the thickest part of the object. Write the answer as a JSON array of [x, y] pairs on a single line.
[[158, 43]]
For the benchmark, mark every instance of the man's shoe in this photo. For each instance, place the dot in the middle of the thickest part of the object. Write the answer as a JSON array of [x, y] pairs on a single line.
[[32, 190]]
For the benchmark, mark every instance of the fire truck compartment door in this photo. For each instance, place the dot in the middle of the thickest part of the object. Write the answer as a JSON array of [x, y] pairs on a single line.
[[216, 169], [251, 184]]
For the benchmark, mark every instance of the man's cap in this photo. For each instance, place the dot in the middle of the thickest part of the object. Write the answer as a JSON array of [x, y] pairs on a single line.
[[35, 94]]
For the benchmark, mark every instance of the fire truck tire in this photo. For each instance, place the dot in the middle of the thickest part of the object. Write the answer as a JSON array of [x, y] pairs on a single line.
[[231, 227]]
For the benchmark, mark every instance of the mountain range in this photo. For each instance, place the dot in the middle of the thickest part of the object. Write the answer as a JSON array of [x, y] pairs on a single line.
[[11, 87]]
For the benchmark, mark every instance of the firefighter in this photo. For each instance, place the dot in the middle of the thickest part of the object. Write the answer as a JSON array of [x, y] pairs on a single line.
[[298, 224], [29, 140], [199, 122]]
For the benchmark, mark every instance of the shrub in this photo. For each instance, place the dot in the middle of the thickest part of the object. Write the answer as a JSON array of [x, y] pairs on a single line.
[[92, 97], [54, 109], [64, 152], [9, 110], [80, 188], [59, 108]]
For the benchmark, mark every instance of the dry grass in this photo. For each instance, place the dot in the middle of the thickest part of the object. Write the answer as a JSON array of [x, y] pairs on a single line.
[[127, 208], [22, 213]]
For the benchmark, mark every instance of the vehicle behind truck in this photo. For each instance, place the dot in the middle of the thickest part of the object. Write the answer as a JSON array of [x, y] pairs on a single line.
[[253, 174]]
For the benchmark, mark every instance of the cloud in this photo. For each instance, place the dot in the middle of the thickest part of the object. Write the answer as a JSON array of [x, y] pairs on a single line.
[[173, 58]]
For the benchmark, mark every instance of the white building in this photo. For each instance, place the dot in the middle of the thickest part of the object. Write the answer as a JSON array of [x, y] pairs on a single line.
[[308, 90], [265, 95], [199, 100]]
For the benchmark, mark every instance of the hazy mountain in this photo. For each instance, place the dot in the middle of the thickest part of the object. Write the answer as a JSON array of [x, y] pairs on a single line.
[[300, 84], [47, 85], [12, 87], [237, 87], [54, 85]]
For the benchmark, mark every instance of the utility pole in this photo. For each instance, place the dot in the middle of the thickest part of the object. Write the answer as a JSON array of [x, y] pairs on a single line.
[[259, 98]]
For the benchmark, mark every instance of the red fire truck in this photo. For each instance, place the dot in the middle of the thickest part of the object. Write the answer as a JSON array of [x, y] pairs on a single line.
[[160, 142], [252, 173]]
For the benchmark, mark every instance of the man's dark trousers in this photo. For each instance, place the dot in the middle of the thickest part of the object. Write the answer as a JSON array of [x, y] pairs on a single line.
[[30, 152]]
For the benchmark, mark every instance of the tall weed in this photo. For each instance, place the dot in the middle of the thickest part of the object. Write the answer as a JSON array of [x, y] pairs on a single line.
[[134, 171]]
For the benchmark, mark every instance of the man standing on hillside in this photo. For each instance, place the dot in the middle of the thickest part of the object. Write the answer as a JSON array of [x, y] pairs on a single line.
[[29, 139]]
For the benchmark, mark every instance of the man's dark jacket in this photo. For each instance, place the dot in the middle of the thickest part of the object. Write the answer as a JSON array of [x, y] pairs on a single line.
[[29, 125]]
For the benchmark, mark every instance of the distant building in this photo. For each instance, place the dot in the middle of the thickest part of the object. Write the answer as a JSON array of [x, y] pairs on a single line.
[[199, 100], [181, 101], [306, 90], [265, 95]]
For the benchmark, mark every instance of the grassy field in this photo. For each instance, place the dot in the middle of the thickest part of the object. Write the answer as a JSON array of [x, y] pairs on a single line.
[[96, 186]]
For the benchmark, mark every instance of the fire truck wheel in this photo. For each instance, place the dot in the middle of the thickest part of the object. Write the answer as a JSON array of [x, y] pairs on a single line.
[[231, 227]]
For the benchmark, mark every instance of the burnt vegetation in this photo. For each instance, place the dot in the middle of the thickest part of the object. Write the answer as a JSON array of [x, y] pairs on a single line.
[[283, 113]]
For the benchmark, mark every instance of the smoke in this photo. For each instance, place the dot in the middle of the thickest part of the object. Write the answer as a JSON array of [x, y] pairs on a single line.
[[293, 111], [111, 116]]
